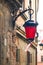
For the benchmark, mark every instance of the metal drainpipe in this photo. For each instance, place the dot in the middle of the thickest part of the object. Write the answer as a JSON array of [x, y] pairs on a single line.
[[35, 12], [30, 8], [30, 3]]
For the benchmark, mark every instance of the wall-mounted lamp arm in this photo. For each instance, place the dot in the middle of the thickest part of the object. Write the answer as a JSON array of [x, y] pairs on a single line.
[[21, 14]]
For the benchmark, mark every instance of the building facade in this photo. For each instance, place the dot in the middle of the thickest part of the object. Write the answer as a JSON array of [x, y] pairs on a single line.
[[11, 45], [26, 58]]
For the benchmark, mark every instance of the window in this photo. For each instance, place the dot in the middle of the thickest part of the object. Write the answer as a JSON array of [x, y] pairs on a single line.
[[41, 58], [29, 58], [17, 55]]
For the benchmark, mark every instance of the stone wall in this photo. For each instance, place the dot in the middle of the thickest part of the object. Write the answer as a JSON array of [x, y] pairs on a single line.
[[7, 46]]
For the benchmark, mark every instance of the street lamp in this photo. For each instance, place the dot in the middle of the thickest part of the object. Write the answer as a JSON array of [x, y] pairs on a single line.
[[30, 29], [30, 26]]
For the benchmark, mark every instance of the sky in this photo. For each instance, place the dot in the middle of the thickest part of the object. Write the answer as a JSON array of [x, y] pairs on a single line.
[[40, 19]]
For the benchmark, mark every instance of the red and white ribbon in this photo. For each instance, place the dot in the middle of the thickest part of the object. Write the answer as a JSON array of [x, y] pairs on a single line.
[[27, 47]]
